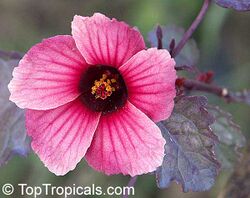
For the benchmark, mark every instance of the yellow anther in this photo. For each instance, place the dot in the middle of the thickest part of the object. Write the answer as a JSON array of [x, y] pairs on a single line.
[[103, 88], [97, 83], [113, 80], [94, 88], [109, 88]]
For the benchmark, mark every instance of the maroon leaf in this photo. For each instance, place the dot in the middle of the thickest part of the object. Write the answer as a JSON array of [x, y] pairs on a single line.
[[229, 135], [189, 154], [240, 5], [13, 139]]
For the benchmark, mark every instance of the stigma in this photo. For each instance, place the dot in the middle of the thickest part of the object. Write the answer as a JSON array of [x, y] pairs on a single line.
[[104, 87]]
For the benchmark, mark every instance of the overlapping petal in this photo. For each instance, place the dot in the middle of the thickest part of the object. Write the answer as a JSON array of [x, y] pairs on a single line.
[[127, 142], [62, 136], [150, 78], [63, 129], [48, 76], [105, 41]]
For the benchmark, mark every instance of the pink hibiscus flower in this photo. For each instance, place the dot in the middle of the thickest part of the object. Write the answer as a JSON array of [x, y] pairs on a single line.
[[96, 94]]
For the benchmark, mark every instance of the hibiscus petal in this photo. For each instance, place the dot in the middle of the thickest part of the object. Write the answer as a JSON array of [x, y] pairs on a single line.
[[48, 75], [150, 78], [127, 142], [61, 136], [105, 41]]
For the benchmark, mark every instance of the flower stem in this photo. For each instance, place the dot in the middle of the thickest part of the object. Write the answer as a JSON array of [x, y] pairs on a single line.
[[201, 86], [131, 183], [192, 28], [190, 84]]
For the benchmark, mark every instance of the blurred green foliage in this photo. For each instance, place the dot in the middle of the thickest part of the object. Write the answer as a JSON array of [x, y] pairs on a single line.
[[223, 38]]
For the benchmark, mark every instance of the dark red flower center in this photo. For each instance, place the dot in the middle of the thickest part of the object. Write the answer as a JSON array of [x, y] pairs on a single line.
[[103, 89]]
